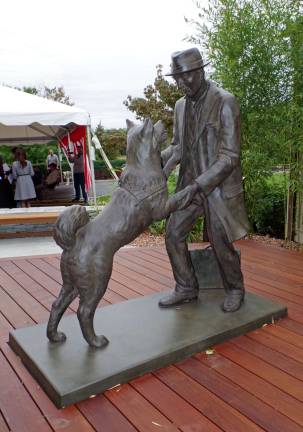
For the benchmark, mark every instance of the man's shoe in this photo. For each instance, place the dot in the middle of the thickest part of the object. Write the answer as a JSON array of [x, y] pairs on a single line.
[[233, 301], [176, 298], [75, 199]]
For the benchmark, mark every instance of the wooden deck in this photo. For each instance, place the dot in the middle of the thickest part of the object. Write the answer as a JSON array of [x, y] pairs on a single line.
[[252, 383]]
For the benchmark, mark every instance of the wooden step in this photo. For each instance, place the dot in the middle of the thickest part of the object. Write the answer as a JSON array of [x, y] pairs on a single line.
[[28, 218], [55, 203]]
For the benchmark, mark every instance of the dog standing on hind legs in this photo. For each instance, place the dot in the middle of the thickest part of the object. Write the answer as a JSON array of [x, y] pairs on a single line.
[[89, 246]]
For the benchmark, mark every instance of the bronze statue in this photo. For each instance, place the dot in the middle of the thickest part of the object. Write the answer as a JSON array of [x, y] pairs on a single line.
[[89, 246], [206, 143]]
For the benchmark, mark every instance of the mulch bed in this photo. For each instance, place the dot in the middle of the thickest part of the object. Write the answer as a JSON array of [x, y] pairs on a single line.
[[147, 239]]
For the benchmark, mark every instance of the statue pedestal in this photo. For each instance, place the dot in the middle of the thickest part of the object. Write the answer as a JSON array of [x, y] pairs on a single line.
[[142, 338]]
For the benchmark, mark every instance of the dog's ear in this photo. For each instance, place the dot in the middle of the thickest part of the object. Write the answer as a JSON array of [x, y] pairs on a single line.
[[147, 127], [160, 133], [147, 124], [129, 124]]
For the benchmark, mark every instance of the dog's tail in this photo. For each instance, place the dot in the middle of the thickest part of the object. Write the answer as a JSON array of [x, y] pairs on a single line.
[[67, 225]]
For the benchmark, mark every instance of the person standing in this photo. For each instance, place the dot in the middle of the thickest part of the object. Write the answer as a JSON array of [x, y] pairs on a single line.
[[52, 158], [206, 143], [78, 172], [23, 173], [6, 189]]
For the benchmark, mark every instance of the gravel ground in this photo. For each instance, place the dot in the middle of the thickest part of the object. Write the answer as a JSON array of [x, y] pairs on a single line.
[[147, 239], [278, 242]]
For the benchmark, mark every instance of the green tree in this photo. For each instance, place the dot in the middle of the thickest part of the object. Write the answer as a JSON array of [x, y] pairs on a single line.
[[113, 141], [158, 101], [56, 94], [255, 48]]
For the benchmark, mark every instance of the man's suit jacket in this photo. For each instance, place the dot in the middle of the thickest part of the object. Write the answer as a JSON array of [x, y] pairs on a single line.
[[215, 155]]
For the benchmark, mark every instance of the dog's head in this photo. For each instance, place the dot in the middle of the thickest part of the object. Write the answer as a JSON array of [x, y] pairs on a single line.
[[143, 141]]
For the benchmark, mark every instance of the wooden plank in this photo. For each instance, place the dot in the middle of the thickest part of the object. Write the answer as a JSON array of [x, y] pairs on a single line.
[[31, 286], [67, 419], [128, 277], [122, 290], [277, 344], [285, 296], [147, 262], [274, 256], [267, 268], [280, 379], [154, 257], [28, 218], [238, 367], [272, 357], [47, 269], [13, 312], [3, 425], [290, 287], [18, 408], [38, 276], [165, 281], [113, 297], [268, 393], [295, 311], [286, 335], [249, 405], [284, 283], [175, 408], [32, 307], [5, 328], [269, 251], [114, 283], [291, 325], [104, 416], [138, 410], [272, 293], [216, 410]]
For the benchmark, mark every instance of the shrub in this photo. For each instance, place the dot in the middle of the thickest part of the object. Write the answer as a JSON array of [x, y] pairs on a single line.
[[158, 227], [270, 208]]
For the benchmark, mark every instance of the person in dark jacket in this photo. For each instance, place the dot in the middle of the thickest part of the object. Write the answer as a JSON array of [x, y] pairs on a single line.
[[206, 144], [6, 189], [78, 172]]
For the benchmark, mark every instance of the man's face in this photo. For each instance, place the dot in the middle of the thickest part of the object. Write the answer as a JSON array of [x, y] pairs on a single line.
[[189, 82]]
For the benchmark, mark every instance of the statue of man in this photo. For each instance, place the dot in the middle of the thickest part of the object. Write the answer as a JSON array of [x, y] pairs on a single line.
[[206, 143]]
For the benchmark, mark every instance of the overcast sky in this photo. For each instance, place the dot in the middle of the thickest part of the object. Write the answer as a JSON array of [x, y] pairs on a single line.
[[99, 50]]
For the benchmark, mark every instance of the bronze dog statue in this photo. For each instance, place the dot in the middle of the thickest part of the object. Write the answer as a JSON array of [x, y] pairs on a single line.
[[89, 245]]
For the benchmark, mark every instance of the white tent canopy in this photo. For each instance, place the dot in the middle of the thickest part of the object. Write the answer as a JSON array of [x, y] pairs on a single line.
[[28, 119]]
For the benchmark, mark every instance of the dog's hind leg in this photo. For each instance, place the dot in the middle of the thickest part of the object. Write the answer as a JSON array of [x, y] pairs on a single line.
[[86, 312], [66, 296]]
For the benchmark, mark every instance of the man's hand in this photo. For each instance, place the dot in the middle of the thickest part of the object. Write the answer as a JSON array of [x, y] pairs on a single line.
[[182, 199]]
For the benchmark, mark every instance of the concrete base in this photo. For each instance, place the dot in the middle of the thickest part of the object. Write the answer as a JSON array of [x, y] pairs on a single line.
[[142, 337]]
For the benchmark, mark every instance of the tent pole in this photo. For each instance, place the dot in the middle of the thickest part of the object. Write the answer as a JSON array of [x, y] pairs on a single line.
[[92, 169]]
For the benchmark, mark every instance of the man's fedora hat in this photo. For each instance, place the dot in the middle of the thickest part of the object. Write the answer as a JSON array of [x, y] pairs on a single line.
[[186, 61]]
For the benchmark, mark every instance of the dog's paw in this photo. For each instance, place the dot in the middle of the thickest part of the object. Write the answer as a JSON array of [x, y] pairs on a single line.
[[57, 337], [99, 341]]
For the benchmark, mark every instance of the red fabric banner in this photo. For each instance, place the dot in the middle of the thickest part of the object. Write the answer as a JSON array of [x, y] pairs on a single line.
[[71, 143]]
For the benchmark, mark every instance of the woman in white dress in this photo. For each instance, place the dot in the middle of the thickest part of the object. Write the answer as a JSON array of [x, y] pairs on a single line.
[[23, 173]]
